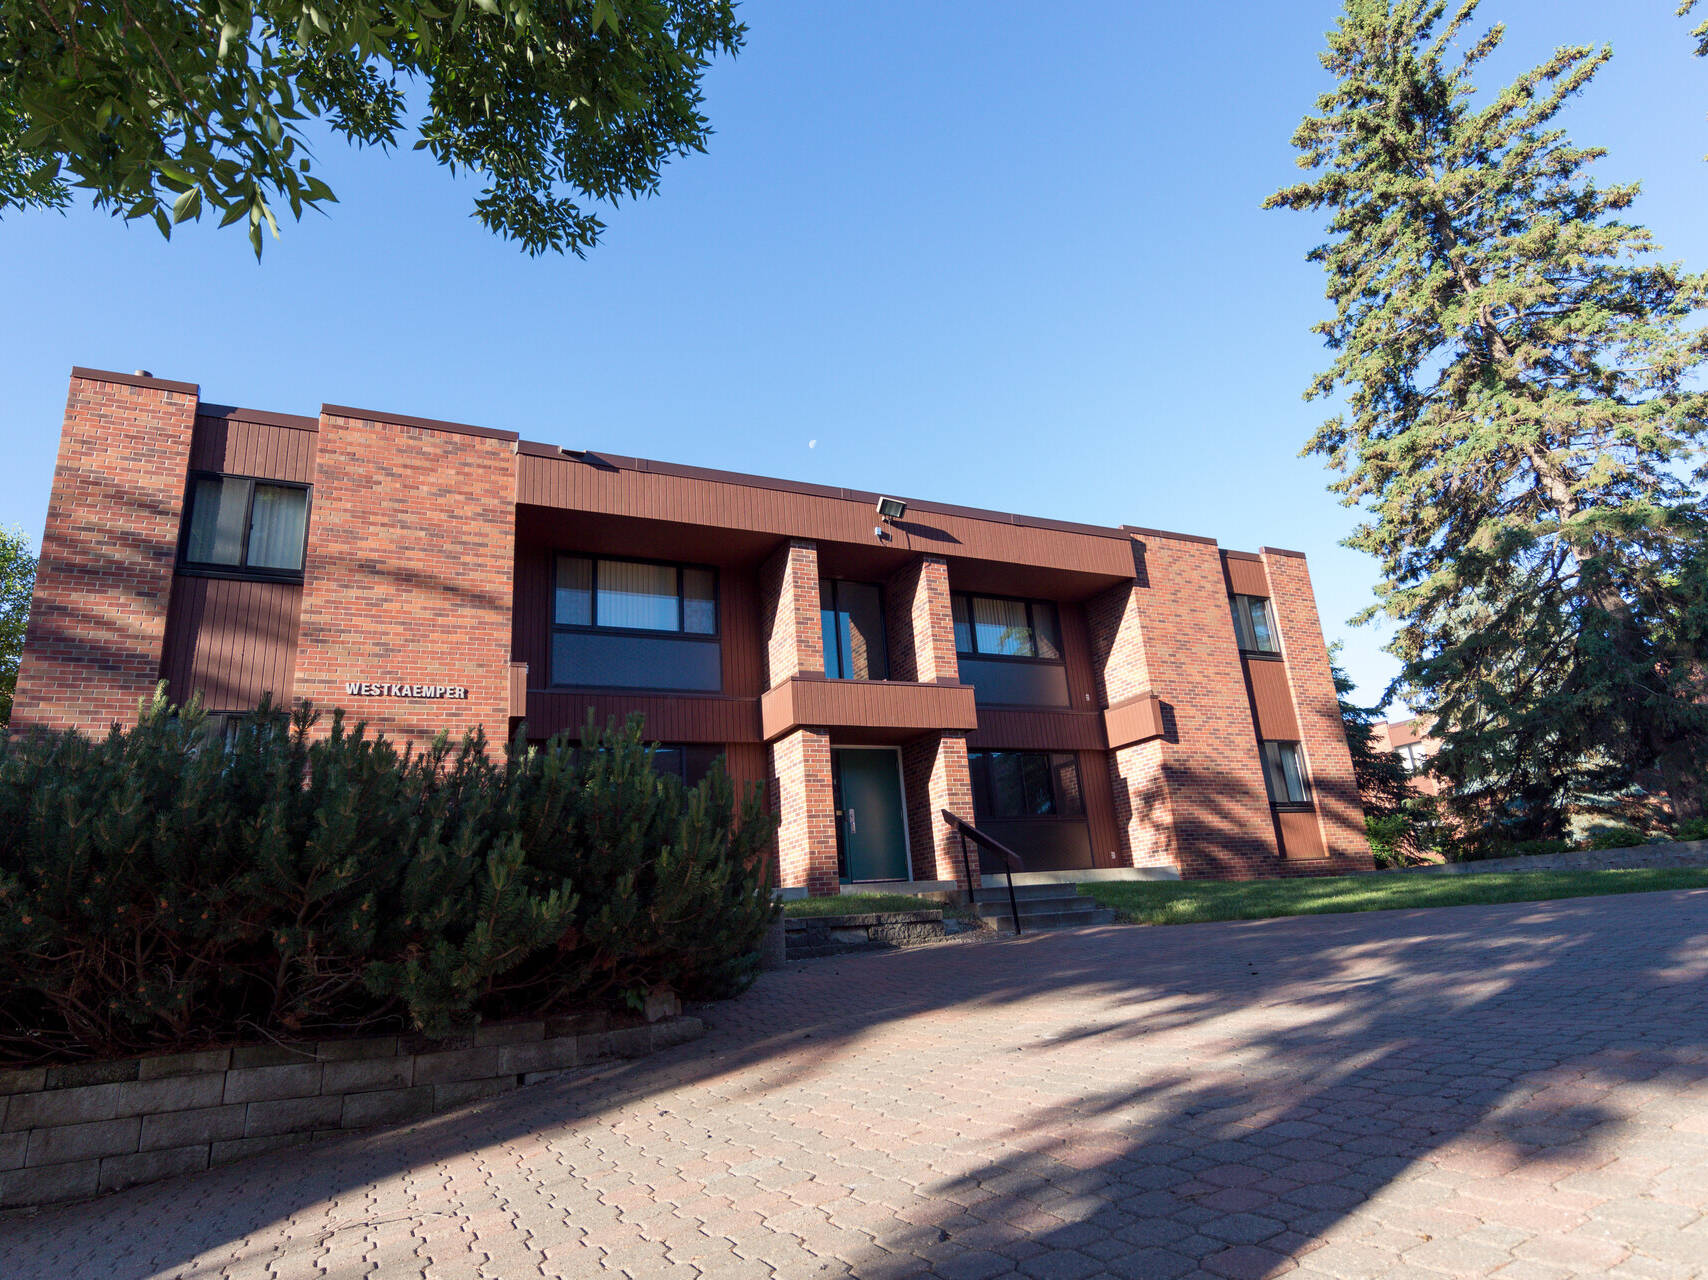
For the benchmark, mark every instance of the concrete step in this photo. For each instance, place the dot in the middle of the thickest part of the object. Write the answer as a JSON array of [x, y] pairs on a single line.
[[1052, 920], [1022, 892]]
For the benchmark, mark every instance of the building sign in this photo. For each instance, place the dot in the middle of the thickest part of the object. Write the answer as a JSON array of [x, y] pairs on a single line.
[[363, 689]]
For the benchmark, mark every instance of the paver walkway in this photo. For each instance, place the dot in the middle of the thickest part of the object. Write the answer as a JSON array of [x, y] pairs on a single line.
[[1516, 1090]]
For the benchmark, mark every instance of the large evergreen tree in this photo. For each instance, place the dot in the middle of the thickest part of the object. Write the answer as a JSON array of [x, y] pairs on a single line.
[[1521, 424]]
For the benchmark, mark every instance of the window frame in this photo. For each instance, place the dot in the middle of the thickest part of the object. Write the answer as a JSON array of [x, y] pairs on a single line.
[[242, 570], [1031, 624], [1242, 626], [1284, 804], [718, 750], [681, 632], [883, 626], [980, 753]]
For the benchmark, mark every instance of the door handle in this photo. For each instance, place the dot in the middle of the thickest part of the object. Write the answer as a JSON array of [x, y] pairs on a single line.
[[852, 828]]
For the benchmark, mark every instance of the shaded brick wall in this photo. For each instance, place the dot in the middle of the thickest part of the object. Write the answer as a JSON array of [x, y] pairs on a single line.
[[806, 810], [788, 605], [935, 777], [1169, 632], [98, 618], [1322, 733], [408, 575]]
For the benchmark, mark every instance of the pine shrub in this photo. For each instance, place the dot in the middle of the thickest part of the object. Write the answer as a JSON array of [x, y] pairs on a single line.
[[167, 886]]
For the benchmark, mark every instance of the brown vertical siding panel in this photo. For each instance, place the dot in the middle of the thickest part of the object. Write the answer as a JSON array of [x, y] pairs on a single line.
[[1099, 798], [1271, 699], [1244, 574], [231, 641], [1301, 837], [1076, 651], [259, 449]]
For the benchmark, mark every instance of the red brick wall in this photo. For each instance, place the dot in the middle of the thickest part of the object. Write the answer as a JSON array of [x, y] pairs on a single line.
[[806, 808], [1170, 633], [98, 618], [1322, 734], [408, 575], [788, 605], [935, 778], [920, 622]]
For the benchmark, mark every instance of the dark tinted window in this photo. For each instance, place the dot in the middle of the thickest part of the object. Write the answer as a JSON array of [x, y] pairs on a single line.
[[1001, 627], [237, 522], [690, 762], [1025, 784], [851, 615], [634, 595]]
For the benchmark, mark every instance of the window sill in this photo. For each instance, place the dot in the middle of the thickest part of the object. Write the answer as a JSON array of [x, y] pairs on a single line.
[[1293, 806], [239, 573], [1262, 655]]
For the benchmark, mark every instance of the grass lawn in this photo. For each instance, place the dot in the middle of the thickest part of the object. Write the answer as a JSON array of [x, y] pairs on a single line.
[[854, 904], [1189, 902]]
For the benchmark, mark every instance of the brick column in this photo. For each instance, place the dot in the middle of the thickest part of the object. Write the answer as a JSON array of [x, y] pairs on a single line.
[[934, 774], [97, 623], [920, 622], [1340, 815], [806, 807], [1195, 797], [788, 601], [407, 581]]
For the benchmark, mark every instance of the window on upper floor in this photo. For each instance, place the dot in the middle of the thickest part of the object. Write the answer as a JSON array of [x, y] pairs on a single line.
[[1025, 784], [244, 525], [1254, 624], [852, 617], [1411, 755], [1001, 627], [635, 624], [1284, 774], [1010, 650]]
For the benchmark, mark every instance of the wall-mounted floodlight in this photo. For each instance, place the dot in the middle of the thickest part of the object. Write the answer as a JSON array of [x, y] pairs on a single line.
[[892, 508]]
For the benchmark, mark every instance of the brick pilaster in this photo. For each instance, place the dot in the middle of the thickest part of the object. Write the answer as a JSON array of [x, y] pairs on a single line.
[[934, 773], [920, 622], [788, 593], [97, 622], [1322, 733], [806, 807]]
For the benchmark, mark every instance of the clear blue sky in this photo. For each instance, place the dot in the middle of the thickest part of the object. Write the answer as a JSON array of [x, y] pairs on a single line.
[[981, 253]]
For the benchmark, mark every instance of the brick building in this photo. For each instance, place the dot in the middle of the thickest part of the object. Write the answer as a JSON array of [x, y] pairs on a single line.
[[1104, 701]]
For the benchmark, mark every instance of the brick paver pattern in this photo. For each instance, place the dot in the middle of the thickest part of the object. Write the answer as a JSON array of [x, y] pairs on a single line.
[[1518, 1091]]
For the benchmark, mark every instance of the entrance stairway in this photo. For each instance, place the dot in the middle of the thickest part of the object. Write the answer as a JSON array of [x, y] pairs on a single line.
[[1042, 906]]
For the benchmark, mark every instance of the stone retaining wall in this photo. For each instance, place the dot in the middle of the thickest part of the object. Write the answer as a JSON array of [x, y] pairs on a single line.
[[68, 1132], [1674, 853], [810, 936]]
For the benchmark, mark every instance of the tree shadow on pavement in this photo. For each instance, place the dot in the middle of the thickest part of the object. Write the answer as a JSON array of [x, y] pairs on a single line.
[[1457, 1089]]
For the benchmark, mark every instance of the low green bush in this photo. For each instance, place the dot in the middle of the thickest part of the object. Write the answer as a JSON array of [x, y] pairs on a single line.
[[168, 887], [1617, 837], [1692, 829]]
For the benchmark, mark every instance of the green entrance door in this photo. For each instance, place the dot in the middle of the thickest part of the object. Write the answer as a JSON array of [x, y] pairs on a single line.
[[871, 833]]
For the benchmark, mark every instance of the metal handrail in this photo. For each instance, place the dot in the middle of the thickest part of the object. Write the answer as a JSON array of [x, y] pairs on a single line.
[[964, 829]]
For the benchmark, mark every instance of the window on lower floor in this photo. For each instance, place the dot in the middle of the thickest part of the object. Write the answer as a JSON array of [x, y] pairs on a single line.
[[245, 525], [1025, 784], [687, 762], [1284, 773]]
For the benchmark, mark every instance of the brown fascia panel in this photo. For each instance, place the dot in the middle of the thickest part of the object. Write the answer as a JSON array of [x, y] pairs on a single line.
[[136, 380], [617, 462], [261, 417], [1142, 532], [902, 708], [1282, 551], [425, 424], [1133, 720], [1244, 574]]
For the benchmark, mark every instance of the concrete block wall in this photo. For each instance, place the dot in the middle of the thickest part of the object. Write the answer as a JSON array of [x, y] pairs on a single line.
[[70, 1132]]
